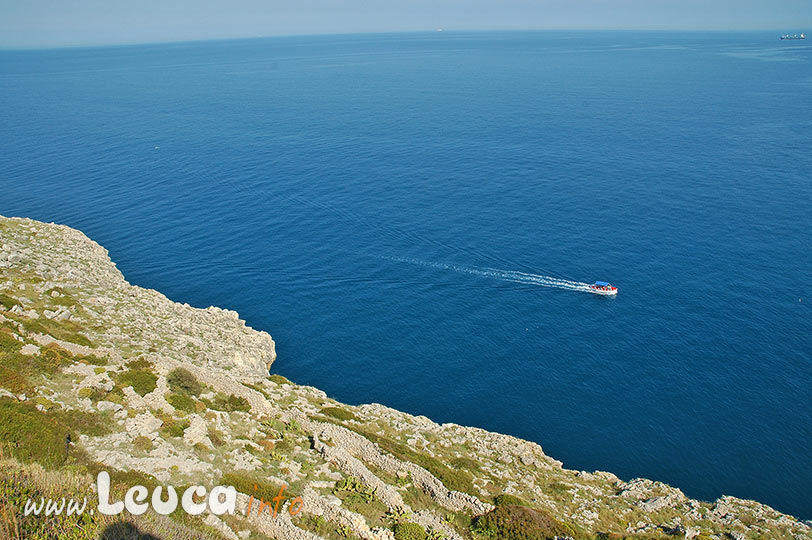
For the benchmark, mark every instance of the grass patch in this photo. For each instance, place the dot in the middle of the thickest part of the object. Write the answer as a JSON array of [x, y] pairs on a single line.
[[252, 485], [339, 413], [19, 483], [510, 500], [140, 376], [17, 370], [8, 302], [92, 359], [512, 522], [62, 330], [181, 402], [322, 528], [42, 436], [464, 463], [278, 379], [231, 403], [8, 343], [172, 427], [258, 389]]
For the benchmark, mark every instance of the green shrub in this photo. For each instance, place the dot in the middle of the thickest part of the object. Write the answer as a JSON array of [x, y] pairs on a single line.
[[338, 412], [228, 404], [279, 379], [351, 485], [92, 360], [465, 463], [512, 522], [92, 393], [216, 437], [54, 358], [409, 531], [140, 363], [252, 485], [181, 402], [17, 370], [8, 343], [182, 380], [62, 330], [171, 426], [143, 381], [143, 443], [508, 500], [8, 302]]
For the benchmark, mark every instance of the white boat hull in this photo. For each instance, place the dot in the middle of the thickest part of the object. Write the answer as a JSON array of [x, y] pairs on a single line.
[[603, 292]]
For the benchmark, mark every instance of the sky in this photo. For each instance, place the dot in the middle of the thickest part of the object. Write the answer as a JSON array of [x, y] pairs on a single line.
[[56, 23]]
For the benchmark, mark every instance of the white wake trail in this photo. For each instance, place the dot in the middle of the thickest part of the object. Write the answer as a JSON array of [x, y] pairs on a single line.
[[503, 275]]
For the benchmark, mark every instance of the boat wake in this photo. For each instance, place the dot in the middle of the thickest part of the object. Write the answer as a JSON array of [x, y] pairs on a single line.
[[512, 276]]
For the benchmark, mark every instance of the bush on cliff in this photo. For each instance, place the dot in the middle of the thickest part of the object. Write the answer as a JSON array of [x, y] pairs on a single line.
[[140, 376], [17, 370], [63, 330], [8, 302], [181, 402], [339, 413], [279, 379], [511, 522], [230, 403], [508, 500], [8, 343], [182, 380], [409, 531]]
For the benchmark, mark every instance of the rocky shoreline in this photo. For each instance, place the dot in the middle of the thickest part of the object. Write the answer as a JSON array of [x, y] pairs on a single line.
[[185, 396]]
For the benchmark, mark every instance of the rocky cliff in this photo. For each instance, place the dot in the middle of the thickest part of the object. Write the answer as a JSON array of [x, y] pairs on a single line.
[[161, 392]]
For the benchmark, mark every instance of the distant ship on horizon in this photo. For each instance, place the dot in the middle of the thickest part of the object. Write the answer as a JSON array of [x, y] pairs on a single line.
[[793, 36]]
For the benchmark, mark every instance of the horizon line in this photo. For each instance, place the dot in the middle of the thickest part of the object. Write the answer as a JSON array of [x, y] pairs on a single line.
[[32, 48]]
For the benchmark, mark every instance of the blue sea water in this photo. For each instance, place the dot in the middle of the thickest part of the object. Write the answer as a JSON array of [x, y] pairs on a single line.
[[349, 194]]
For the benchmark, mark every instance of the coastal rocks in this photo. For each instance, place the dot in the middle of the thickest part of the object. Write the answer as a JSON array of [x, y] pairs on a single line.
[[128, 315], [350, 451], [29, 349], [216, 523], [104, 406], [143, 425], [197, 432], [241, 460], [101, 381]]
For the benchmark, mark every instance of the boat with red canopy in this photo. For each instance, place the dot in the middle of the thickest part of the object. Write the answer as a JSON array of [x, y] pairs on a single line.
[[604, 288]]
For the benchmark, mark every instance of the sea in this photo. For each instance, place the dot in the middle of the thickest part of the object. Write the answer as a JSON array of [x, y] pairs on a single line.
[[415, 218]]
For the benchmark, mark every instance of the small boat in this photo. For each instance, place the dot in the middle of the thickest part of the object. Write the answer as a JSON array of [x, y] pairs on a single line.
[[793, 36], [604, 288]]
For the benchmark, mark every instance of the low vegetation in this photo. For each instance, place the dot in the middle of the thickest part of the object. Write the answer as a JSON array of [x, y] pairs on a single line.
[[511, 522], [409, 531], [45, 437], [140, 376], [183, 381]]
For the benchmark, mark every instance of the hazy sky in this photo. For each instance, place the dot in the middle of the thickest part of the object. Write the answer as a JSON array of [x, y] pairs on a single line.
[[44, 23]]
